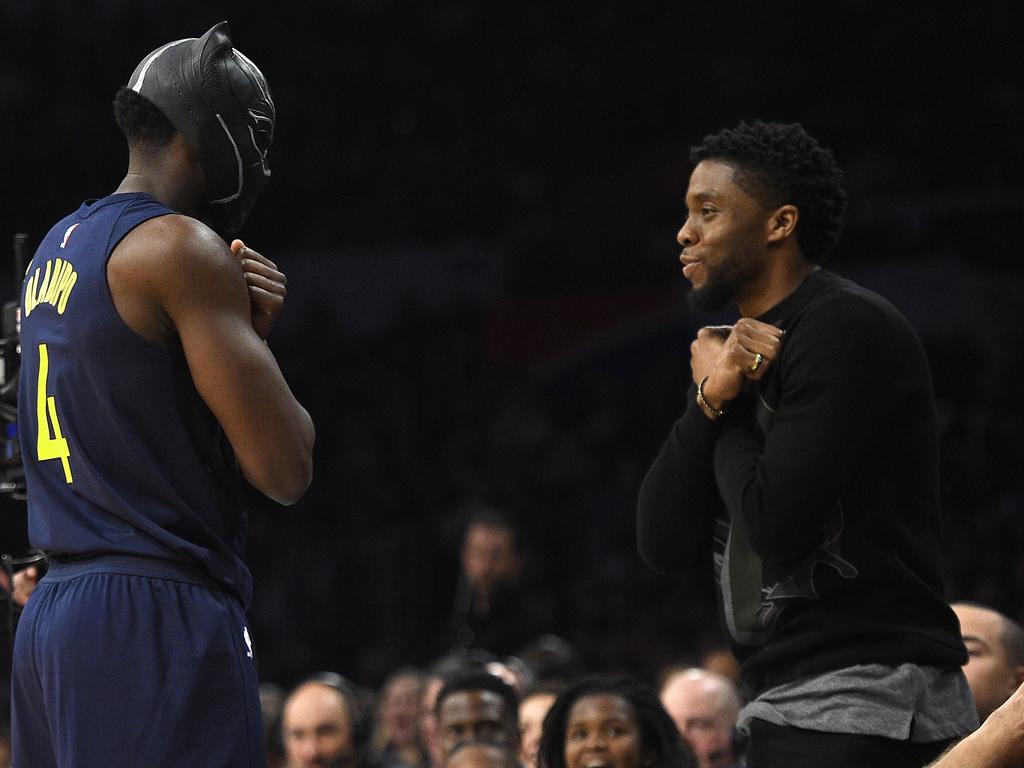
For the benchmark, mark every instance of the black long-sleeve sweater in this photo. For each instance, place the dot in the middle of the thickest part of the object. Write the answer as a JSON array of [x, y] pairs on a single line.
[[816, 496]]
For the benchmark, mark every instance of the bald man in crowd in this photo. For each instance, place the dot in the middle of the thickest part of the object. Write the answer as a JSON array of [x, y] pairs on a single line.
[[705, 706], [324, 724], [317, 727], [995, 648]]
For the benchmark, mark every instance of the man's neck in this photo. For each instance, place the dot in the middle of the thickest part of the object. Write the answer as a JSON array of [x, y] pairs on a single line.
[[774, 286], [171, 175]]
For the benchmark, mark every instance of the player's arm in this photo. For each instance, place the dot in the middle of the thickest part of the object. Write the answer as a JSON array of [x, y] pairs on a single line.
[[198, 285]]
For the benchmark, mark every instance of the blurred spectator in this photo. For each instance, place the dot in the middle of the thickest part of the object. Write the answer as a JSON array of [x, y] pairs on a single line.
[[438, 674], [272, 697], [429, 736], [995, 661], [513, 671], [491, 610], [612, 721], [475, 754], [477, 706], [24, 582], [397, 735], [533, 707], [324, 723], [550, 657], [5, 745], [721, 660], [704, 706]]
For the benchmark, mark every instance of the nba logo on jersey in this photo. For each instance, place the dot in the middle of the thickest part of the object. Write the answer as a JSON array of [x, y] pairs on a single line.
[[248, 641], [67, 234]]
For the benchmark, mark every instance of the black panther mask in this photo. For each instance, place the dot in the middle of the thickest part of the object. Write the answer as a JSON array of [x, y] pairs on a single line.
[[220, 102]]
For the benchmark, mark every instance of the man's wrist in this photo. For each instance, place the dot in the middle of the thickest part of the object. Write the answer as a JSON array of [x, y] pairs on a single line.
[[706, 406]]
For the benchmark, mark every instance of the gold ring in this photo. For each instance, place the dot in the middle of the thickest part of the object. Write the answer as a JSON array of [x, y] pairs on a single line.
[[758, 359]]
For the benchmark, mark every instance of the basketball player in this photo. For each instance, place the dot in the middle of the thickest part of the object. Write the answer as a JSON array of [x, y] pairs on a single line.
[[148, 396], [805, 466]]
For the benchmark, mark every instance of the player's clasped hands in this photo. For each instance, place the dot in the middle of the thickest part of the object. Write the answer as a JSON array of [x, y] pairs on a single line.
[[266, 284], [729, 355]]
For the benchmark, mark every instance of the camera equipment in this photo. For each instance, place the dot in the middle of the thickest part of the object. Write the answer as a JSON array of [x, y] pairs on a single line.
[[12, 473]]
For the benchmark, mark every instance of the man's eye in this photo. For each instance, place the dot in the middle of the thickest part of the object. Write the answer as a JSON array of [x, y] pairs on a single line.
[[707, 210]]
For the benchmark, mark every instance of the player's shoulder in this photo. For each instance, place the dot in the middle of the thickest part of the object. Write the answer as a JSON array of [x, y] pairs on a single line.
[[173, 253], [174, 259], [176, 239]]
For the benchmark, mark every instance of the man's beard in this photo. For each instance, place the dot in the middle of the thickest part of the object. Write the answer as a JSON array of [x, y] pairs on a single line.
[[723, 283]]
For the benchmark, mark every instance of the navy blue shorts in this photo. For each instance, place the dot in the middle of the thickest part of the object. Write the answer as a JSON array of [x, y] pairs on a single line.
[[122, 661]]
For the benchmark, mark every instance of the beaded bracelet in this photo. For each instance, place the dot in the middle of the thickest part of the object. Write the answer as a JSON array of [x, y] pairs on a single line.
[[704, 403]]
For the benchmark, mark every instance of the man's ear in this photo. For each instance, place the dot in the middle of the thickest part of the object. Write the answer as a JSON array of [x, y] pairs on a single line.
[[1018, 674], [782, 223]]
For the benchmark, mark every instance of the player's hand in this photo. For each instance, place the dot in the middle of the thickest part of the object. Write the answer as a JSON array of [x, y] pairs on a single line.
[[729, 356], [266, 284]]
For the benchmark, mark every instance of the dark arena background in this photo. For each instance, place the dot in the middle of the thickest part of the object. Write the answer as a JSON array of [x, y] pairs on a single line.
[[476, 205]]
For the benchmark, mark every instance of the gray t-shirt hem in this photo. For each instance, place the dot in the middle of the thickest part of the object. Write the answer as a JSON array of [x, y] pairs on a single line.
[[908, 702]]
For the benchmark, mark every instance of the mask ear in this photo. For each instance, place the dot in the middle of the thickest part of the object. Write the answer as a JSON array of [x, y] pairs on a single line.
[[216, 43]]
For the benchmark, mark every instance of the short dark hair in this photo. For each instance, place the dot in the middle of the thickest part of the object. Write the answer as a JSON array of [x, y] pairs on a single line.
[[452, 665], [779, 164], [479, 681], [551, 657], [140, 121], [658, 733]]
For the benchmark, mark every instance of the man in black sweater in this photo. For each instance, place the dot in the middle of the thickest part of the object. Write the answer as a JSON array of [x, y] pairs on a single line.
[[805, 467]]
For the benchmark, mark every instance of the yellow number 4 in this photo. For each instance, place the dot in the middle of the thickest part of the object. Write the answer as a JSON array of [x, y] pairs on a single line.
[[55, 447]]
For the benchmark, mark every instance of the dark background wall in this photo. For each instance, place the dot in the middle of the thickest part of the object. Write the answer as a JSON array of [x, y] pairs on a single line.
[[476, 204]]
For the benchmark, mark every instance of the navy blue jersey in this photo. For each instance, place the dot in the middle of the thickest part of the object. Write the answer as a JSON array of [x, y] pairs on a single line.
[[121, 453]]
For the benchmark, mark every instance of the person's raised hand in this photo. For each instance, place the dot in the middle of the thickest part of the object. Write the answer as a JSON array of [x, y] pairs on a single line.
[[267, 286]]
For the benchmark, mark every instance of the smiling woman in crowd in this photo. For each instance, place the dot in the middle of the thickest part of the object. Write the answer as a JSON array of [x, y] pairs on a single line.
[[611, 722]]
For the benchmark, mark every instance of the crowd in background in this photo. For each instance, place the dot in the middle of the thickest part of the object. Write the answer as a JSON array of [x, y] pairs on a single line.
[[507, 693]]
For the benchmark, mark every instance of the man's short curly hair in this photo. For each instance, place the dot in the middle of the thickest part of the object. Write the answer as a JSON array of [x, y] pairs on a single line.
[[779, 164], [140, 121]]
